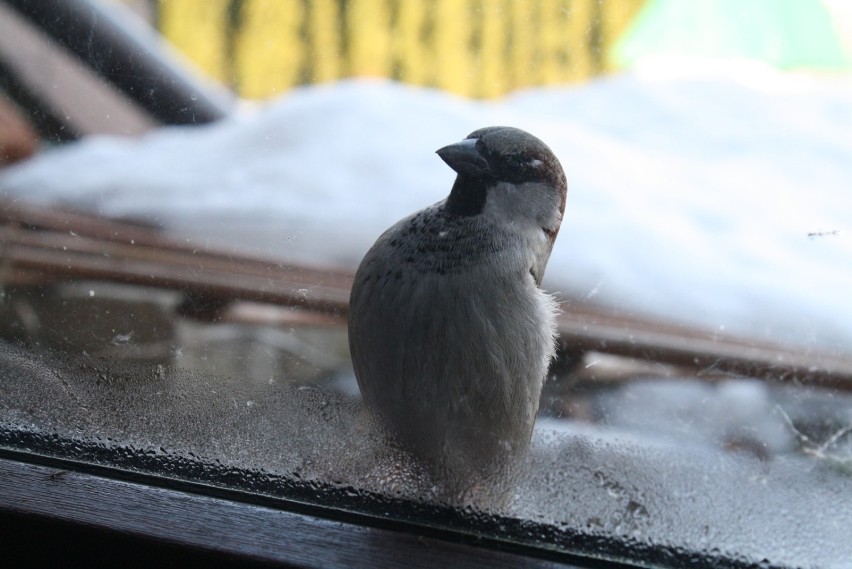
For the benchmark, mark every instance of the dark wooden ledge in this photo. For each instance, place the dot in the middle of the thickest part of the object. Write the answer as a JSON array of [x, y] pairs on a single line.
[[57, 517]]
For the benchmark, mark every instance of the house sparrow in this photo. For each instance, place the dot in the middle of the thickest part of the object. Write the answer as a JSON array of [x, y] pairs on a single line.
[[450, 333]]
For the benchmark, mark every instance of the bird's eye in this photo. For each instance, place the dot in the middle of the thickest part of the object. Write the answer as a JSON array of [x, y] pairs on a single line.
[[517, 162]]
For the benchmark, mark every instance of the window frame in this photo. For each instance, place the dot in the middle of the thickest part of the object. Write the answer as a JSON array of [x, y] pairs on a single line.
[[91, 513]]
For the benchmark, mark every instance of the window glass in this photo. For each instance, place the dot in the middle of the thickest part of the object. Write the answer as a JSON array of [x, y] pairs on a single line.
[[181, 223]]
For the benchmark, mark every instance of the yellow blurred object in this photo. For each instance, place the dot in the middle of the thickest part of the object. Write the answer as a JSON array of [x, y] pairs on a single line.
[[554, 42], [577, 64], [491, 79], [198, 29], [452, 63], [369, 33], [267, 59], [324, 50], [412, 60], [523, 54], [477, 48]]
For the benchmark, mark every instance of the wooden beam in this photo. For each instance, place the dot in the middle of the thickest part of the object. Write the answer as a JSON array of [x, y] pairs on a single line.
[[41, 245]]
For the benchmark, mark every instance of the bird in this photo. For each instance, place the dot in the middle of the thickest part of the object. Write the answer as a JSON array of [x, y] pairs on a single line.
[[450, 333]]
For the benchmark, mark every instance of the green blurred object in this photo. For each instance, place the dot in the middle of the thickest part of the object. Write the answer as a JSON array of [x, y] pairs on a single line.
[[788, 34]]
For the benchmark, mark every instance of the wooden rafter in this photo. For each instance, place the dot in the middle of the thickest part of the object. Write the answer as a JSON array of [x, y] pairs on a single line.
[[46, 245]]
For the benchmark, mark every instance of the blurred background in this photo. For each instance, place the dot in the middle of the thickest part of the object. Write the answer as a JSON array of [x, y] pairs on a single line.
[[472, 48], [486, 48], [187, 186]]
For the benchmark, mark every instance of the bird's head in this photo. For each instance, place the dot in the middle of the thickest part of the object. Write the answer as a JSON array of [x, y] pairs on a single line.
[[507, 173]]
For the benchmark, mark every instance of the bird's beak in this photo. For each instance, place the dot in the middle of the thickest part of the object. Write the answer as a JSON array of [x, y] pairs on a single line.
[[464, 158]]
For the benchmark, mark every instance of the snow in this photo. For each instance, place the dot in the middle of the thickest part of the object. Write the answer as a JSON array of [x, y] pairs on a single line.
[[695, 189]]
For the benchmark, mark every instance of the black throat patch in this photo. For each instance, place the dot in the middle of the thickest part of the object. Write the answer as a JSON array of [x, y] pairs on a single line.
[[467, 197]]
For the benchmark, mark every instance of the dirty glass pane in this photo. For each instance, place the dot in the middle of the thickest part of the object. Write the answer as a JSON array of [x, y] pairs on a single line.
[[175, 261]]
